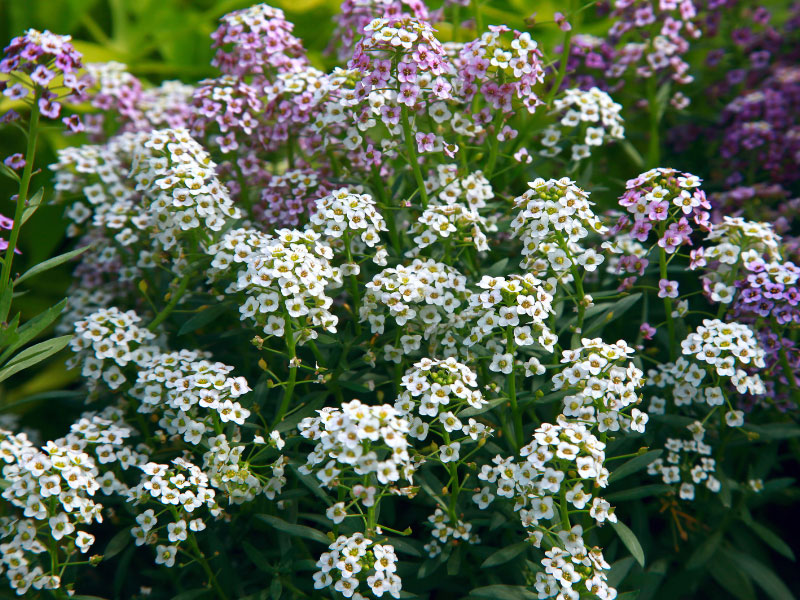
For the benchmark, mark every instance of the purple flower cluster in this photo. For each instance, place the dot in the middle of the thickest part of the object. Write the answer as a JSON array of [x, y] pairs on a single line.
[[52, 65], [665, 201], [769, 290], [256, 41]]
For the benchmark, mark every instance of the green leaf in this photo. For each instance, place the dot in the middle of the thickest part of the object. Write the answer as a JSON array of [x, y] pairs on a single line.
[[32, 205], [471, 411], [611, 313], [503, 592], [192, 594], [653, 489], [770, 538], [34, 354], [295, 529], [619, 571], [8, 172], [404, 545], [761, 574], [705, 551], [731, 579], [7, 334], [775, 431], [635, 464], [204, 317], [33, 328], [257, 557], [506, 554], [498, 268], [117, 544], [633, 154], [50, 263], [629, 539]]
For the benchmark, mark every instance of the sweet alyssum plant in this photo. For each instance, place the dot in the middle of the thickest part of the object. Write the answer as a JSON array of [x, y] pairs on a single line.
[[376, 331]]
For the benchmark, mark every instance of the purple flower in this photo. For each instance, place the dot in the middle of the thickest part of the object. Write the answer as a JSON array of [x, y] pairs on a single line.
[[667, 288], [647, 331]]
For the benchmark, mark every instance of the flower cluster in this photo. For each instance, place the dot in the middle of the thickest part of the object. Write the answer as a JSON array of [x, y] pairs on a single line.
[[358, 439], [554, 216], [52, 66], [474, 190], [501, 70], [181, 488], [343, 213], [353, 560], [447, 530], [52, 487], [448, 223], [106, 341], [605, 384], [591, 118], [728, 348], [256, 41], [688, 464], [283, 276], [664, 200], [289, 197], [177, 175]]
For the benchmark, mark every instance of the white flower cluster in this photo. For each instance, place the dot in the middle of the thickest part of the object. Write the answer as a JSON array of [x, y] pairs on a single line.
[[536, 484], [356, 559], [344, 212], [52, 487], [605, 384], [518, 302], [360, 439], [592, 117], [735, 236], [177, 175], [107, 341], [239, 479], [283, 275], [447, 530], [473, 190], [181, 485], [178, 385], [555, 449], [439, 288], [729, 348], [688, 464], [445, 222], [441, 389], [554, 216]]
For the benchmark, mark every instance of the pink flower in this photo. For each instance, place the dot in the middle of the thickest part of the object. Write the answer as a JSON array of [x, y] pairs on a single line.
[[562, 22], [15, 161], [647, 331], [408, 94], [667, 288]]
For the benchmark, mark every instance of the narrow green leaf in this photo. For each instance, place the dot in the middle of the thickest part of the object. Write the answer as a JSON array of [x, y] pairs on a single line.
[[731, 579], [635, 464], [202, 318], [504, 555], [705, 551], [257, 557], [8, 172], [619, 571], [503, 592], [429, 566], [50, 263], [644, 491], [33, 328], [611, 313], [629, 539], [192, 594], [765, 577], [117, 544], [471, 411], [770, 538], [498, 268], [404, 545], [34, 354], [294, 529], [7, 334], [32, 205]]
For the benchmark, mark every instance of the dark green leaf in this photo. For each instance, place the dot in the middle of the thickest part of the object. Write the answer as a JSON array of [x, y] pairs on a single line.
[[705, 551], [117, 543], [730, 578], [653, 489], [192, 594], [503, 592], [498, 268], [34, 354], [629, 539], [635, 464], [295, 529], [32, 205], [472, 411], [619, 571], [33, 328], [50, 263], [761, 574], [8, 172], [202, 318], [504, 555], [611, 313], [770, 538]]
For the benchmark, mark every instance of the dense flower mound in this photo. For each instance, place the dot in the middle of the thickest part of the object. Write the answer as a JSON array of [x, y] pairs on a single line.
[[434, 307]]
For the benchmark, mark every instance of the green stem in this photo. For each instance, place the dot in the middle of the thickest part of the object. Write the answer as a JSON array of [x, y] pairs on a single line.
[[388, 213], [288, 389], [662, 263], [173, 302], [562, 68], [212, 579], [411, 148], [654, 142], [512, 390], [498, 120], [476, 11], [22, 195]]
